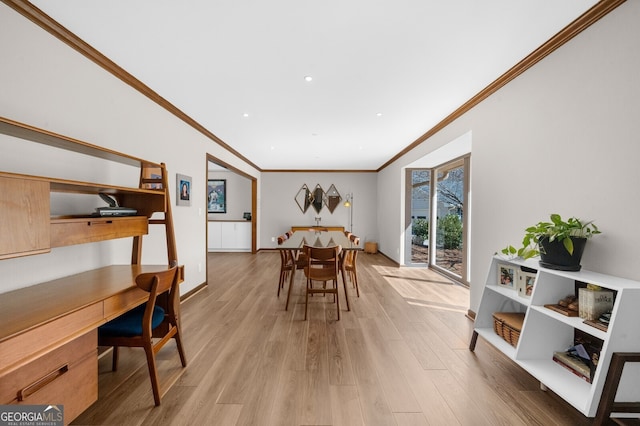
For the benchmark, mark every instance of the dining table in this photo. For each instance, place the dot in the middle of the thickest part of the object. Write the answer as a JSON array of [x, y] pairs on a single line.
[[318, 238]]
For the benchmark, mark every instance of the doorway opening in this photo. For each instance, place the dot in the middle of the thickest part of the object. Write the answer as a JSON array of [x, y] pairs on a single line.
[[436, 211], [231, 219]]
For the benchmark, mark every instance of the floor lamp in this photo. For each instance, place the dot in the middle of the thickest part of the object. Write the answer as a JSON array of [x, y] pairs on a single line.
[[349, 204]]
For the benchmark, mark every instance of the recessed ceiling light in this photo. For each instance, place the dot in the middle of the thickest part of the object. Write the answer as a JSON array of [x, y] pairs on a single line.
[[308, 78], [379, 114], [245, 115]]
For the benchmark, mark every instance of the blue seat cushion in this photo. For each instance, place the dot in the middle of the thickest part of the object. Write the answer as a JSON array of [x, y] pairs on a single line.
[[129, 324]]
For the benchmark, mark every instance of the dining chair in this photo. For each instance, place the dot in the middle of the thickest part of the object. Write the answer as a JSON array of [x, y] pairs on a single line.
[[141, 325], [350, 263], [286, 264], [323, 265]]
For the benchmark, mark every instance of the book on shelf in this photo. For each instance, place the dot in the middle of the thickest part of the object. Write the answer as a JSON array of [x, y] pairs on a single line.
[[600, 325], [573, 364]]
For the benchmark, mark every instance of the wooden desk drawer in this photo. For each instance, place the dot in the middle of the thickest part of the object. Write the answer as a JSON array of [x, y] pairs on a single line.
[[68, 231], [65, 376], [24, 347]]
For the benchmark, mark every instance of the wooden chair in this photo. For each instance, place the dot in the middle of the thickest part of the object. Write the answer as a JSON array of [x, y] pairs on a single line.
[[323, 264], [285, 263], [350, 264], [139, 326], [608, 404]]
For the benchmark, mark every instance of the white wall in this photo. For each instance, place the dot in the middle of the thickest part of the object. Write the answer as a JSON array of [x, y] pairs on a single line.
[[279, 210], [48, 85], [561, 138], [238, 195]]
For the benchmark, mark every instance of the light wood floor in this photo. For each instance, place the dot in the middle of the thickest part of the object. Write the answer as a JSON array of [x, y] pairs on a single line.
[[400, 357]]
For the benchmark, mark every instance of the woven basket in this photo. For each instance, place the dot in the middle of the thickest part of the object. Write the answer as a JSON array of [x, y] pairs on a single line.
[[508, 326]]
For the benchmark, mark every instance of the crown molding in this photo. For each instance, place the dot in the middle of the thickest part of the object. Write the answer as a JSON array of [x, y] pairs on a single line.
[[316, 171]]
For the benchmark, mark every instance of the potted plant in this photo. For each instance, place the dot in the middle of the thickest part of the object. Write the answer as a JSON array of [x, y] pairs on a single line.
[[559, 243]]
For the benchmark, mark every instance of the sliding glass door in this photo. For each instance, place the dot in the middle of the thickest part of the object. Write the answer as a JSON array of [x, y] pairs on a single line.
[[438, 220]]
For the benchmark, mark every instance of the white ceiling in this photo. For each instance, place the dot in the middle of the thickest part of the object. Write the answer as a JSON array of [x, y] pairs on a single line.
[[412, 61]]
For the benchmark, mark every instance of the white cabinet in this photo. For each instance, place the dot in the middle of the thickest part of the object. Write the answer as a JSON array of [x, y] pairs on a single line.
[[229, 236], [214, 235], [545, 331]]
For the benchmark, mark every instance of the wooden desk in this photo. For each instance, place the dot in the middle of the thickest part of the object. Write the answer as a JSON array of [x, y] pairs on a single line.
[[48, 339], [318, 239]]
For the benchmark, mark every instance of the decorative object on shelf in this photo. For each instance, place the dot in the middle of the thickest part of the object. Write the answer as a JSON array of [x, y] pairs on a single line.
[[567, 306], [348, 202], [559, 243], [318, 198], [526, 282], [506, 275], [508, 326], [303, 198], [183, 187], [594, 301], [564, 310], [332, 198], [246, 215], [318, 219], [217, 196]]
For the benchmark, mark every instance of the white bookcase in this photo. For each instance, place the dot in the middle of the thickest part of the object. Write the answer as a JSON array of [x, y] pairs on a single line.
[[545, 331]]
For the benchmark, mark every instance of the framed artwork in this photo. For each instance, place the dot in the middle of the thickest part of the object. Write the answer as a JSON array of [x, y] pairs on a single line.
[[526, 281], [183, 187], [506, 275], [217, 196]]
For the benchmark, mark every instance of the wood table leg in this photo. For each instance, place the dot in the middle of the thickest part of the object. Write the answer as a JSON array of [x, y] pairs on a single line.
[[293, 273], [344, 279]]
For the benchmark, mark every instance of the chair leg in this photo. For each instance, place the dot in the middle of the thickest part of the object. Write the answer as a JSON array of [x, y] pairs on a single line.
[[306, 299], [183, 357], [337, 299], [355, 280], [153, 373], [114, 359]]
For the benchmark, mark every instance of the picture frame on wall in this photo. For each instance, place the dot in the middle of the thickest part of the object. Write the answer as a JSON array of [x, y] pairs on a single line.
[[526, 282], [217, 196], [507, 275], [183, 189]]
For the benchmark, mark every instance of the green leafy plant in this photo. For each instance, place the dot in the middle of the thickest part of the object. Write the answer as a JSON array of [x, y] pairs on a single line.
[[556, 229], [420, 229], [450, 232]]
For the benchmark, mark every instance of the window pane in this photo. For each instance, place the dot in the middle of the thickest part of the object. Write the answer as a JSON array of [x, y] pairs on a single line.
[[420, 201], [450, 194]]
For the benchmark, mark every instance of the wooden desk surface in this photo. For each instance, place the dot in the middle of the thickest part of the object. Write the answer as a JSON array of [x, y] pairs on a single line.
[[30, 307]]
